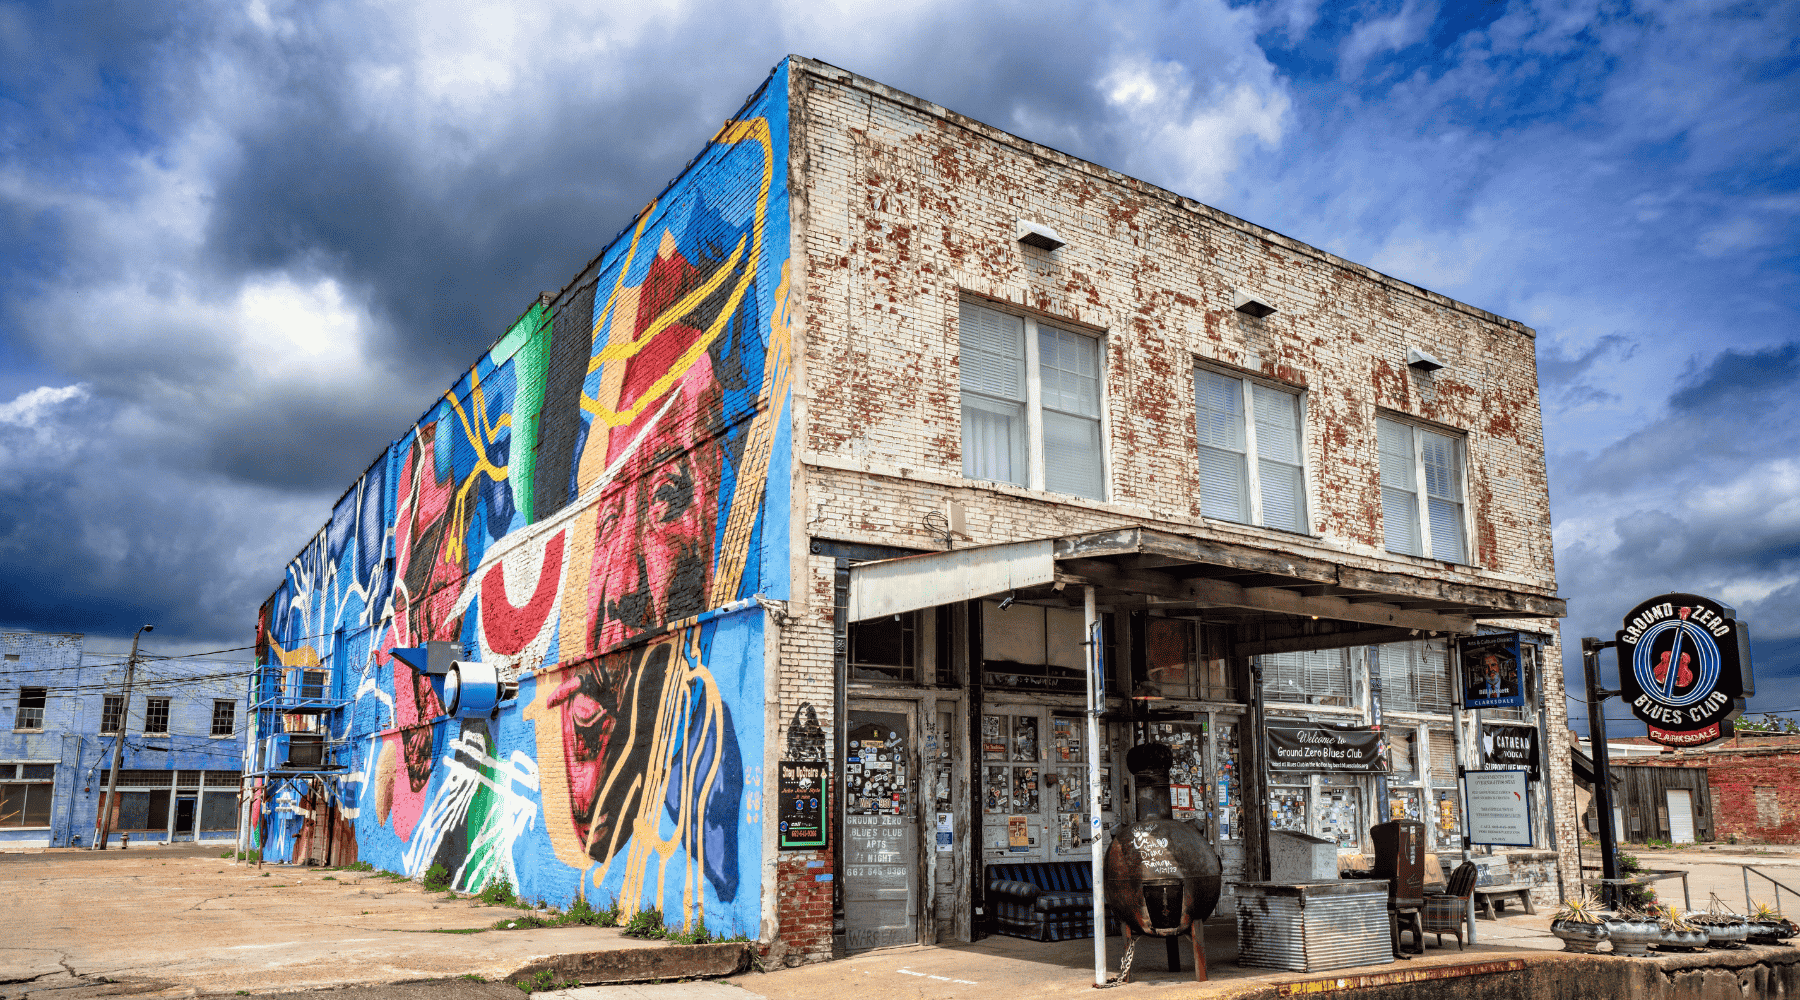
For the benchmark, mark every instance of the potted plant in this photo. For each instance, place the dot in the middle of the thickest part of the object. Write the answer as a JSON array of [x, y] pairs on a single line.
[[1767, 926], [1723, 930], [1632, 932], [1678, 932], [1579, 924]]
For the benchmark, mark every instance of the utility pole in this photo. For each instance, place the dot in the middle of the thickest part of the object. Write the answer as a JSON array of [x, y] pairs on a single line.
[[112, 785]]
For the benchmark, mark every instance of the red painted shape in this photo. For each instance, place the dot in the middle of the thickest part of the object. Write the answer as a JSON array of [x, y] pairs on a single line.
[[508, 628]]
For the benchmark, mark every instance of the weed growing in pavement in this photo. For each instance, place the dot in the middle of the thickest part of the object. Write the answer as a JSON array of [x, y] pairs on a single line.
[[472, 977], [646, 924], [457, 930], [355, 866], [437, 878], [226, 855], [329, 878], [265, 874], [693, 935], [544, 982], [498, 892]]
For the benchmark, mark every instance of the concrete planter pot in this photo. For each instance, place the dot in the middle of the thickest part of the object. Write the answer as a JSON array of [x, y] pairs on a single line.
[[1632, 935], [1579, 937]]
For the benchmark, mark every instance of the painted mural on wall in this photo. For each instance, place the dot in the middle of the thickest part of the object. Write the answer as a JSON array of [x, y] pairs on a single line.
[[592, 508]]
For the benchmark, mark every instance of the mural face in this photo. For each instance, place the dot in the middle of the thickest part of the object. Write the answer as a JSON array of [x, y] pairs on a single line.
[[588, 509]]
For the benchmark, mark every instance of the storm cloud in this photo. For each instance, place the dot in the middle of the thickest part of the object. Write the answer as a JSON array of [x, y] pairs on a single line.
[[243, 245]]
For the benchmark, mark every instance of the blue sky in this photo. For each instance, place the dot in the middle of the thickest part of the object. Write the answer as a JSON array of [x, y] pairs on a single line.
[[242, 245]]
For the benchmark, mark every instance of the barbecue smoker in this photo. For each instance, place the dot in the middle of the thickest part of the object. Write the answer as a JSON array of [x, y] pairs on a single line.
[[1162, 877]]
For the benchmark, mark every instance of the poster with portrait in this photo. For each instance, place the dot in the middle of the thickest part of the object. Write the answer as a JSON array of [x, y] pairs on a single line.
[[1491, 673]]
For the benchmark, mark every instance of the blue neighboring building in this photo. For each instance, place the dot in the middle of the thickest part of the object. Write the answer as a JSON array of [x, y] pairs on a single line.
[[61, 716]]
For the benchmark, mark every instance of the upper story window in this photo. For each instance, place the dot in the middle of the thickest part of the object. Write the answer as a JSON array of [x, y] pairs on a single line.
[[156, 716], [112, 714], [31, 708], [1252, 465], [1030, 404], [1417, 463], [224, 720]]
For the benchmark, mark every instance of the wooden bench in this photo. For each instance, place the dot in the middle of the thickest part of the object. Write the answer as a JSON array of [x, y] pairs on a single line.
[[1489, 898]]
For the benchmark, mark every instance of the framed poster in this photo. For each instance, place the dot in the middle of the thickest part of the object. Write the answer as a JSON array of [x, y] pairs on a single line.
[[1497, 807], [802, 790], [1492, 676]]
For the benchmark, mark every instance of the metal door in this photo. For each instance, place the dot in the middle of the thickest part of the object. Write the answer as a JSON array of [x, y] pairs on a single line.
[[881, 827], [1681, 815]]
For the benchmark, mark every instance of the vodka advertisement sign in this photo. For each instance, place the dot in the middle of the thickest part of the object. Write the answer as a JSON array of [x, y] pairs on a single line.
[[1684, 668]]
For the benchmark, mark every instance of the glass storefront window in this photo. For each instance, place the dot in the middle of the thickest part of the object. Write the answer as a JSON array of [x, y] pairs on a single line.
[[1405, 803], [1230, 790], [1447, 818]]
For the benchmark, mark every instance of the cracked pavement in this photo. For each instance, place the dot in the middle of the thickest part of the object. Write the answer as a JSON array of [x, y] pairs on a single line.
[[183, 921]]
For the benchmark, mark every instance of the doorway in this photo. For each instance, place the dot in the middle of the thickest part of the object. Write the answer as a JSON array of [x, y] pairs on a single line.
[[881, 826], [1681, 815], [184, 817]]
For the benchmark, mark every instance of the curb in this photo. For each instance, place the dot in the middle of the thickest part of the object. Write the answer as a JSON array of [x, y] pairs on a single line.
[[640, 965]]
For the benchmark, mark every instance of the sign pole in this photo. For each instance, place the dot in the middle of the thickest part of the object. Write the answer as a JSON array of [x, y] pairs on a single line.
[[1096, 703], [1596, 697]]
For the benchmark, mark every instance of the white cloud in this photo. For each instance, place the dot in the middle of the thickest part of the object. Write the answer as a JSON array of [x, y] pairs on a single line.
[[1377, 36]]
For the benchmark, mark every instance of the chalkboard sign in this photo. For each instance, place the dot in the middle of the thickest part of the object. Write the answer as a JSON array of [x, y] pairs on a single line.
[[803, 790]]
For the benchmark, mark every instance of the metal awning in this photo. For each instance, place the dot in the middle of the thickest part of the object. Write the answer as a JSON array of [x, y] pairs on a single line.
[[1287, 602]]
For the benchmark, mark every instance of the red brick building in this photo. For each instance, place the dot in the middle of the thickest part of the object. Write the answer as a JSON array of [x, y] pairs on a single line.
[[1755, 785]]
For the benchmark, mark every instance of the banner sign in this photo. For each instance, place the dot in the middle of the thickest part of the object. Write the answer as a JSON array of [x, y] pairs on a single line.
[[1492, 676], [1684, 668], [801, 789], [1498, 810], [1326, 748], [1511, 747]]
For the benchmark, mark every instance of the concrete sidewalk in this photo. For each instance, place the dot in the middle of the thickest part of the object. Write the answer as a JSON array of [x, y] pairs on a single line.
[[187, 919]]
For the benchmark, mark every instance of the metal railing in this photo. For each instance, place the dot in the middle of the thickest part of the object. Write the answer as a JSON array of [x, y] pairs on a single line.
[[1777, 883], [1654, 875]]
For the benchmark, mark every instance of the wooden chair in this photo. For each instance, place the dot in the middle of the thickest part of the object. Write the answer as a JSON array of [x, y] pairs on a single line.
[[1448, 912]]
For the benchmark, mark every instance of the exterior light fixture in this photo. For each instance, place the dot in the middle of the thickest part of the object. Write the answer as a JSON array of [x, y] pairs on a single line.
[[1036, 234]]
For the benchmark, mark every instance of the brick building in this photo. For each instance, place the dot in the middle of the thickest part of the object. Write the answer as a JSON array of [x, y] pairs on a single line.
[[1751, 789], [184, 744], [811, 472]]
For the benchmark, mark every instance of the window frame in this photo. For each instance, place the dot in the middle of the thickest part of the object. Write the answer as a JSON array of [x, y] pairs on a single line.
[[150, 705], [1252, 457], [42, 697], [1421, 495], [117, 714], [1033, 403], [230, 718]]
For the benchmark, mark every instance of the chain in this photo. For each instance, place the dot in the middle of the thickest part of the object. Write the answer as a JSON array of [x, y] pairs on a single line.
[[1124, 965]]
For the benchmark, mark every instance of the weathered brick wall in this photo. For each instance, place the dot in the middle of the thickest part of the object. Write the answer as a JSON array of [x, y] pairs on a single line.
[[1755, 791], [907, 208]]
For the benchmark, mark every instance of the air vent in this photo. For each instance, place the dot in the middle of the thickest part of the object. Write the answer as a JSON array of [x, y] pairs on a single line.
[[1250, 304], [1036, 234], [1421, 361]]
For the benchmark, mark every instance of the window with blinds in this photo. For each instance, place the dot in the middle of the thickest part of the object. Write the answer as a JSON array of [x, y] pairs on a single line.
[[1415, 677], [1416, 463], [1312, 677], [1236, 419], [1009, 360], [1443, 756]]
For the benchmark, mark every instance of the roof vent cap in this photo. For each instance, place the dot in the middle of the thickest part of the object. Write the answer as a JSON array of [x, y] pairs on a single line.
[[1036, 234]]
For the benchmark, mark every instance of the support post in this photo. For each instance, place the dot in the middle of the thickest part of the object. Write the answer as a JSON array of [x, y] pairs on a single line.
[[1096, 703], [1462, 786], [1603, 800]]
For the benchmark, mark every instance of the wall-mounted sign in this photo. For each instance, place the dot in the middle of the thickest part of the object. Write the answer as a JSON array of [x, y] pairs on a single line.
[[1326, 748], [1511, 747], [1684, 667], [1498, 807], [802, 790], [1492, 675]]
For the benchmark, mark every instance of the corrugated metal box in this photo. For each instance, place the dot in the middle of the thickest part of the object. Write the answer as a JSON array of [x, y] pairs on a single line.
[[1313, 926]]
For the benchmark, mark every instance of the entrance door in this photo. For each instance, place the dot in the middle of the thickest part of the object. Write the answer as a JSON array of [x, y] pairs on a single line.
[[1681, 815], [1033, 782], [184, 817], [881, 827]]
